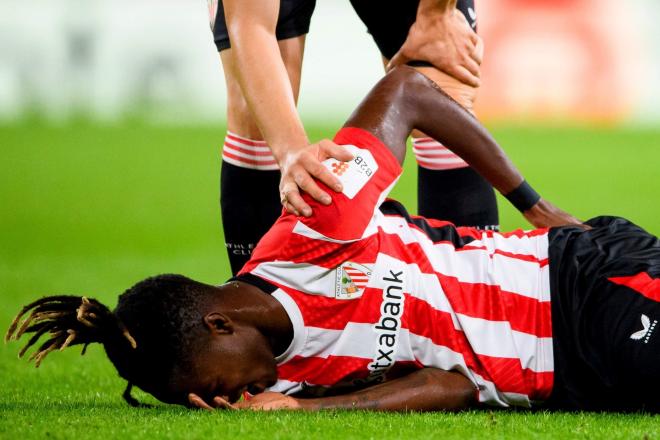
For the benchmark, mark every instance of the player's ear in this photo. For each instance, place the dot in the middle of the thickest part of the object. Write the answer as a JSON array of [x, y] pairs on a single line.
[[219, 323]]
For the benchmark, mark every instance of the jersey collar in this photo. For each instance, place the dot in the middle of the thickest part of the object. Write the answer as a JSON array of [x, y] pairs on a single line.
[[299, 330]]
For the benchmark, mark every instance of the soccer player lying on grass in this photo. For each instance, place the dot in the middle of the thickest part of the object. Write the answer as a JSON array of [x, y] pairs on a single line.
[[362, 306]]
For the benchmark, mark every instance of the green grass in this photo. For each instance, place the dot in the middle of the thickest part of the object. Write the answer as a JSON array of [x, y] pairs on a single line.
[[90, 210]]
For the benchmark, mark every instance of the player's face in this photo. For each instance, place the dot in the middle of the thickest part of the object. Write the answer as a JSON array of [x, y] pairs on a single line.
[[228, 365]]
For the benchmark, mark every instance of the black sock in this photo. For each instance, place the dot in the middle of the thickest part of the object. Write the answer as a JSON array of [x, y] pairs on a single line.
[[460, 196], [250, 204]]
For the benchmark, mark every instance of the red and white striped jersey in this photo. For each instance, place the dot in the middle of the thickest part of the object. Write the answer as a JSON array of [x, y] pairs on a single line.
[[374, 293]]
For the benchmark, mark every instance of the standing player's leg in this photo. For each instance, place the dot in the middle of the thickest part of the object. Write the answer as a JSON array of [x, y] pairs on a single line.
[[249, 195], [447, 188]]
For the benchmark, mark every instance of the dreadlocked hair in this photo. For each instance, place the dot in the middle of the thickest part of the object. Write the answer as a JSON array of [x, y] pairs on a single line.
[[68, 320], [148, 337]]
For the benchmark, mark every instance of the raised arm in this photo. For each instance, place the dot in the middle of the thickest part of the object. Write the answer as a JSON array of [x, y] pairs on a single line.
[[261, 72], [405, 99], [267, 89]]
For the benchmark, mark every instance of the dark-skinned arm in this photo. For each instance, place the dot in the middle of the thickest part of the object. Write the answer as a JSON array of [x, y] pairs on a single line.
[[428, 389], [405, 99]]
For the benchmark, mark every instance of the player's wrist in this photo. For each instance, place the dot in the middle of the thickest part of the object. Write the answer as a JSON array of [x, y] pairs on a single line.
[[311, 404], [435, 7], [284, 150], [284, 154], [291, 403], [523, 197], [433, 21]]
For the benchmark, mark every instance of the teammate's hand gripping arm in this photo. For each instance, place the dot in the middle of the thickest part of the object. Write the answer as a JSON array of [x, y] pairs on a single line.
[[265, 84], [442, 36], [428, 389]]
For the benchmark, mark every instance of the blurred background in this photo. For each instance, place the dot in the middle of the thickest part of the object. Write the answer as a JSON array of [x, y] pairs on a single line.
[[575, 60], [111, 123]]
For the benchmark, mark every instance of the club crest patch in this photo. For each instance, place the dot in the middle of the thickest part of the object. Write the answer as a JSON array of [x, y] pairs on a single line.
[[354, 174], [351, 279]]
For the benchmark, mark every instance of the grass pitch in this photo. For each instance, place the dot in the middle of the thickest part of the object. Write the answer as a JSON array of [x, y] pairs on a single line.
[[91, 210]]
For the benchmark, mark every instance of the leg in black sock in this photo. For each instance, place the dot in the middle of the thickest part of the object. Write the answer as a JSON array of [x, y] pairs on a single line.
[[460, 196], [250, 204]]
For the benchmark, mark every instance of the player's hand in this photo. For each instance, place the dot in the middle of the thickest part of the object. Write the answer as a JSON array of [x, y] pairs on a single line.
[[269, 401], [300, 168], [446, 40], [546, 215], [218, 402]]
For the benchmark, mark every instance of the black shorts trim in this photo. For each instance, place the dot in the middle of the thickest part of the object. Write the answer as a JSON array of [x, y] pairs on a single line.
[[445, 232], [388, 21], [293, 21]]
